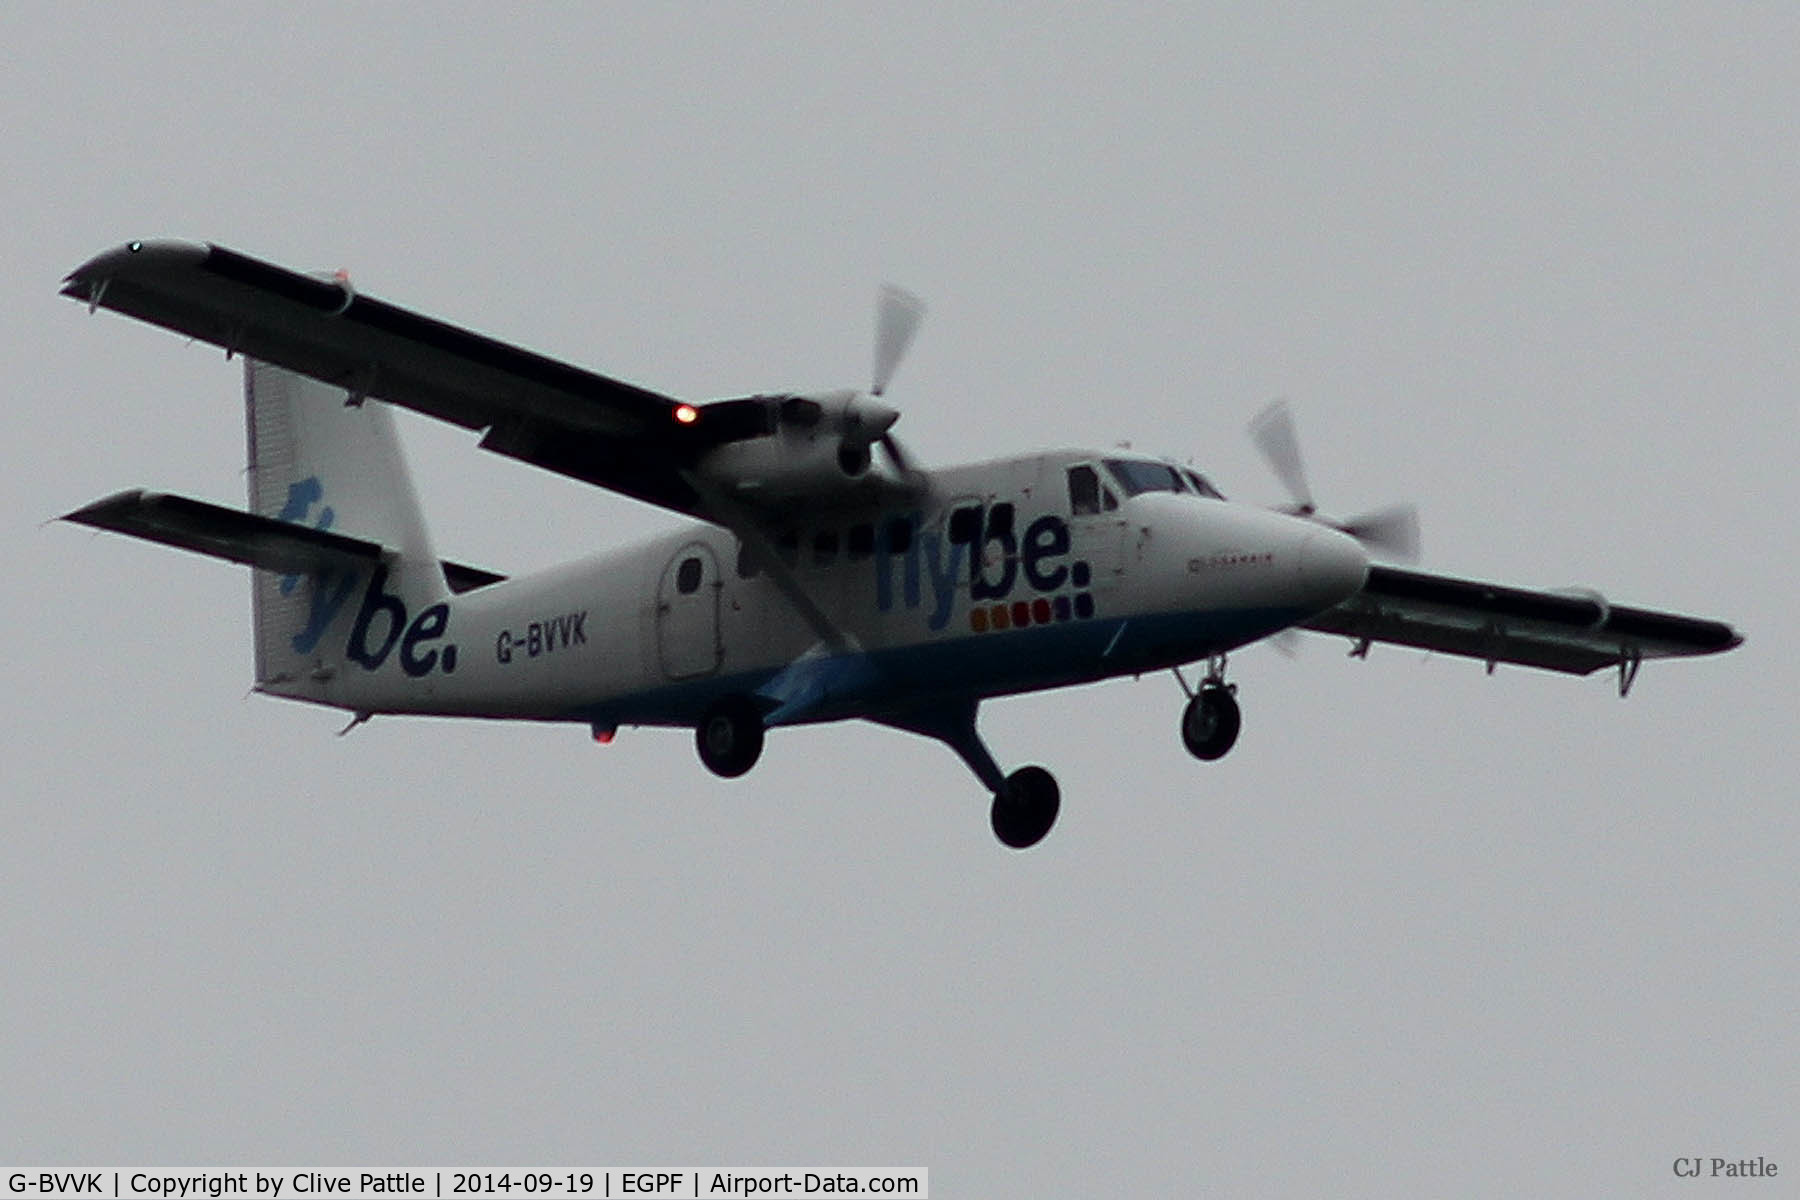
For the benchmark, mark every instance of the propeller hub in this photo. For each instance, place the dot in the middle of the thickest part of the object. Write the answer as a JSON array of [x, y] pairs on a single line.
[[868, 418]]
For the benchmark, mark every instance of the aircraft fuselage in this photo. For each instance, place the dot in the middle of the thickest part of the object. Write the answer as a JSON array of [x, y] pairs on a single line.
[[1000, 583]]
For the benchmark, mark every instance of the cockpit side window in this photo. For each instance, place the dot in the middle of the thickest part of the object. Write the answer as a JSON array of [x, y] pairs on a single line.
[[1084, 491]]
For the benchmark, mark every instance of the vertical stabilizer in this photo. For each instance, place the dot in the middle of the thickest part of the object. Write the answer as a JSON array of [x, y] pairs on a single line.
[[324, 459]]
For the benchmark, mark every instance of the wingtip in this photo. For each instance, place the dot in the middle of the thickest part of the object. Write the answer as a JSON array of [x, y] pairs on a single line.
[[133, 255], [92, 512]]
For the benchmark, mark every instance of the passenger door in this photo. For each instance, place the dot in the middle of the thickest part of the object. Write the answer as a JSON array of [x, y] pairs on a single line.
[[687, 613]]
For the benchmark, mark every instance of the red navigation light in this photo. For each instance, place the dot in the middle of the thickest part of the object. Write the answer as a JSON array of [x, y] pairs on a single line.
[[686, 414]]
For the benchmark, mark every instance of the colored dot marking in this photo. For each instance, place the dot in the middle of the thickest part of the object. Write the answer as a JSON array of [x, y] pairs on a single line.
[[1019, 614]]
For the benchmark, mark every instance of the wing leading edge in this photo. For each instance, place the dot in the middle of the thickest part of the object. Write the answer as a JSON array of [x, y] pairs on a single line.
[[1574, 633]]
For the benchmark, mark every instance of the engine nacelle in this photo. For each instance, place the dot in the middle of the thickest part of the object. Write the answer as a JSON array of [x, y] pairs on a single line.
[[802, 446]]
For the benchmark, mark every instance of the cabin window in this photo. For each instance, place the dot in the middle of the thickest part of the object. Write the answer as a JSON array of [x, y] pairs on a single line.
[[861, 541], [965, 525], [825, 547], [687, 576], [899, 535], [787, 548]]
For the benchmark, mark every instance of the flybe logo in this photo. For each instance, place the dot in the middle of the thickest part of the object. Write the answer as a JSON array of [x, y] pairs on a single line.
[[383, 612], [382, 622], [1000, 564]]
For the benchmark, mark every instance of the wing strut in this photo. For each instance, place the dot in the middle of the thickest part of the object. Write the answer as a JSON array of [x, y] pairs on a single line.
[[738, 521]]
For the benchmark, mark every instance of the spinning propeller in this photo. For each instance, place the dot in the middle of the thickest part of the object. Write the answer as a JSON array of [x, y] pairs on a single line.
[[898, 314], [1392, 531]]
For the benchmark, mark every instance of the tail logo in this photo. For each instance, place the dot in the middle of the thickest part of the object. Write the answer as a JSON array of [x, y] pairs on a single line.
[[381, 611], [378, 607], [330, 588]]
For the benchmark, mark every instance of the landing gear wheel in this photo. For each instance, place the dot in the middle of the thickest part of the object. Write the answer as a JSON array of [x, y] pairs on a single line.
[[1209, 723], [1025, 808], [730, 737]]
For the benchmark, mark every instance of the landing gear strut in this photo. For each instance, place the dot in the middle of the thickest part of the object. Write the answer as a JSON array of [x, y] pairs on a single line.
[[1025, 802], [730, 736], [1210, 722]]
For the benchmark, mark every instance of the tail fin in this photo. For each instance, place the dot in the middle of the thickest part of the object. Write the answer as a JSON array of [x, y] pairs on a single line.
[[326, 460]]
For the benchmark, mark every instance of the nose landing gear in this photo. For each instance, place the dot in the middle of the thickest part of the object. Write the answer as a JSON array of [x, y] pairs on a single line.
[[1210, 722]]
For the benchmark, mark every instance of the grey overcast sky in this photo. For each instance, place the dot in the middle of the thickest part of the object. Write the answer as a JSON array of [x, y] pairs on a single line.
[[1424, 932]]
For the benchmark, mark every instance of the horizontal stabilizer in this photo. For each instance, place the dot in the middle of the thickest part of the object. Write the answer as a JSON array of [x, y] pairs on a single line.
[[246, 538]]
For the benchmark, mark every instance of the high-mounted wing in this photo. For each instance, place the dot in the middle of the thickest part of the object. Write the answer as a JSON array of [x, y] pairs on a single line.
[[561, 417], [1575, 633], [745, 464]]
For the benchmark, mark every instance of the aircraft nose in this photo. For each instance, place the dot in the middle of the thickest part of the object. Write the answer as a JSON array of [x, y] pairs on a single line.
[[1333, 567]]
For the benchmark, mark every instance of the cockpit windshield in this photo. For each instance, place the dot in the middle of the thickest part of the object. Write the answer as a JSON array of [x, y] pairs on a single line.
[[1137, 476], [1202, 486]]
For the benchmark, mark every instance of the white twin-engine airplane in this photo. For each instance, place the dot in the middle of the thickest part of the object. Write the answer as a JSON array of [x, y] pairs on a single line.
[[820, 582]]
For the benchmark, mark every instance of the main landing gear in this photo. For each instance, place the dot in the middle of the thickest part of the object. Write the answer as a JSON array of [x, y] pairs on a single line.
[[1026, 802], [1025, 807], [730, 736], [1210, 722]]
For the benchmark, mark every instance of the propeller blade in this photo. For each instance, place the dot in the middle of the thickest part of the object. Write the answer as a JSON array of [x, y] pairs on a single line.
[[1273, 432], [897, 316], [1392, 531], [896, 455], [915, 480]]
